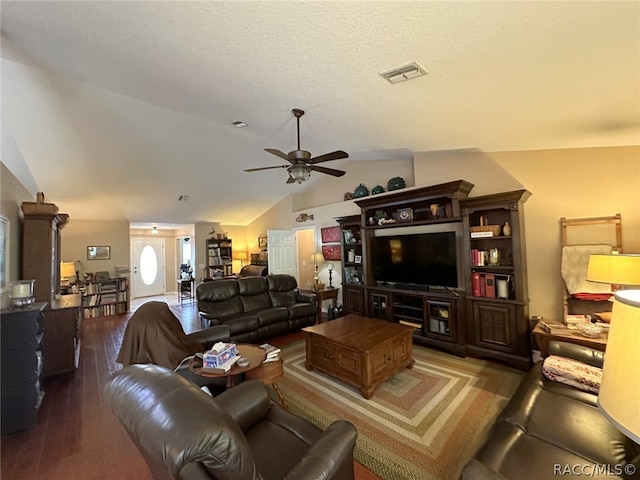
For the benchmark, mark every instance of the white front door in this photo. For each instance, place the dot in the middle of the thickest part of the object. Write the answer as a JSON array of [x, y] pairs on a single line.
[[282, 252], [147, 255]]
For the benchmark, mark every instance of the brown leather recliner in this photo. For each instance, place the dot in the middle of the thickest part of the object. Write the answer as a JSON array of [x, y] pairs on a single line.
[[184, 433]]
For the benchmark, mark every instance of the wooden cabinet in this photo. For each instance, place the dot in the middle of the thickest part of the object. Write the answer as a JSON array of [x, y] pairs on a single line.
[[21, 337], [105, 297], [353, 299], [41, 248], [61, 343], [352, 257], [219, 258], [497, 299]]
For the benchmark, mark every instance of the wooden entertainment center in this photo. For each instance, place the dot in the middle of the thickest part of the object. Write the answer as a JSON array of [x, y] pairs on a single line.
[[486, 313]]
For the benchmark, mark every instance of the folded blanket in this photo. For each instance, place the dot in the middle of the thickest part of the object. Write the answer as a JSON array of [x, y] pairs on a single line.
[[573, 373]]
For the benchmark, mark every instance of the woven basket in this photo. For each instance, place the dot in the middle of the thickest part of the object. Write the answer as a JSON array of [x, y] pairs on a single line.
[[484, 227]]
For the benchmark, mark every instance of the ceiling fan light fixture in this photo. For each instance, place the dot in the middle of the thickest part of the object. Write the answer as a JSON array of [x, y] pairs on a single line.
[[299, 173]]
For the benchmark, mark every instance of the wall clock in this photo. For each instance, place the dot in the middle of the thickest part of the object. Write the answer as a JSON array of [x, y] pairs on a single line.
[[405, 214]]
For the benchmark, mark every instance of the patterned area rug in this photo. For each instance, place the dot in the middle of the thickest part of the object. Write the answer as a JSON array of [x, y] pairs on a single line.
[[424, 423]]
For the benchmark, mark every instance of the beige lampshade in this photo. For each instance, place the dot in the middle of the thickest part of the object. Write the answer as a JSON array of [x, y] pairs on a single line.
[[620, 269], [67, 269], [619, 397], [241, 255], [317, 258]]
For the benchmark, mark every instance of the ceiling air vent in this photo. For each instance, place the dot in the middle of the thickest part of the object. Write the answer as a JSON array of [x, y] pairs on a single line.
[[406, 72]]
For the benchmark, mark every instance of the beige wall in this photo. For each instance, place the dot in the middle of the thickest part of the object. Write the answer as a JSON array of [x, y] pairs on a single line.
[[77, 235], [12, 194]]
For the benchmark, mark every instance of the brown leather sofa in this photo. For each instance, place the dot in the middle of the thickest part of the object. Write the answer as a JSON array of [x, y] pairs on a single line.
[[256, 308], [548, 429], [184, 433]]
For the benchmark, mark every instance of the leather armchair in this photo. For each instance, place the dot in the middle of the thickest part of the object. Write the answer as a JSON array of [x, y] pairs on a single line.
[[184, 433]]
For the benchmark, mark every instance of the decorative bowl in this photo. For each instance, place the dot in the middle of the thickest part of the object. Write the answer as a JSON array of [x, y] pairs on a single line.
[[395, 183], [589, 330]]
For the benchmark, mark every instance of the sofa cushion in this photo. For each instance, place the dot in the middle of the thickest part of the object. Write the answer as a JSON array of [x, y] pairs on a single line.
[[253, 294], [272, 315], [299, 310], [219, 299], [282, 289]]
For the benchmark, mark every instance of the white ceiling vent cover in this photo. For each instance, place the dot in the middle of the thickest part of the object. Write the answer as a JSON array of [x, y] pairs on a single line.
[[404, 73]]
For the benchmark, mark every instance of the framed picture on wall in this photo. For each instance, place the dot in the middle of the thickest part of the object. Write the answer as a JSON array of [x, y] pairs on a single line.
[[98, 253], [331, 252], [330, 234], [262, 242]]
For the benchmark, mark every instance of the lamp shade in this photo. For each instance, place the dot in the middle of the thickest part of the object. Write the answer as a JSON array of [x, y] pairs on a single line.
[[620, 269], [317, 258], [619, 396], [241, 255], [67, 269]]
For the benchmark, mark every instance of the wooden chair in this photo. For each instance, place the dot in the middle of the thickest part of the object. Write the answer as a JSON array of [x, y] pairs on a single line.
[[596, 235]]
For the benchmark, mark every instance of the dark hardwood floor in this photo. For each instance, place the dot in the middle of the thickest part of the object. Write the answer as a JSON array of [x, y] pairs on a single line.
[[77, 437]]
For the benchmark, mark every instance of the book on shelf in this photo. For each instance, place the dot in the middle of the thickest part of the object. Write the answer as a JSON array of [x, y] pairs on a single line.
[[414, 325], [481, 234]]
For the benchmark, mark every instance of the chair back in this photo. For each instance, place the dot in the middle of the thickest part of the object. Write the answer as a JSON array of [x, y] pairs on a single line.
[[181, 431]]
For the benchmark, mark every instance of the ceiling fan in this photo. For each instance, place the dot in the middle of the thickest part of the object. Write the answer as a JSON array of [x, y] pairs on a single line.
[[301, 163]]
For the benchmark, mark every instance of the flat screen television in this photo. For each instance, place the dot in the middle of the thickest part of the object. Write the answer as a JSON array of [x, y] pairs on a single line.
[[420, 259]]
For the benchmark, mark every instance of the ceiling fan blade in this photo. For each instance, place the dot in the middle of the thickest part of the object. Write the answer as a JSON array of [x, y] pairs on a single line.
[[277, 153], [328, 171], [266, 168], [338, 154]]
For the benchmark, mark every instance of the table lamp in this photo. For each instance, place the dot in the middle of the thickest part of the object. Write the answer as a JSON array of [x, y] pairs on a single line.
[[619, 394], [22, 293], [242, 256], [317, 258], [67, 270]]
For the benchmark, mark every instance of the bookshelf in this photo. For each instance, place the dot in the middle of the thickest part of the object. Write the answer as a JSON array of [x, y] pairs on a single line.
[[219, 257], [497, 299], [105, 297]]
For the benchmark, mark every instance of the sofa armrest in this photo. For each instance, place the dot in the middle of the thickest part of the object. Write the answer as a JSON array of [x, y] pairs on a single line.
[[330, 457], [247, 403], [208, 336], [304, 297], [587, 355], [476, 470]]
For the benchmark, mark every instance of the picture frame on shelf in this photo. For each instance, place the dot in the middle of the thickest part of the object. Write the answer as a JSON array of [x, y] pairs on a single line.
[[99, 252], [358, 259]]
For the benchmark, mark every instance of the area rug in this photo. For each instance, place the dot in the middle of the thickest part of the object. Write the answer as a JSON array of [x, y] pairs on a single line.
[[423, 423]]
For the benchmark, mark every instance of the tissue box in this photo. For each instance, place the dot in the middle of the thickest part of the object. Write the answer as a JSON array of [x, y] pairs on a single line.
[[215, 358]]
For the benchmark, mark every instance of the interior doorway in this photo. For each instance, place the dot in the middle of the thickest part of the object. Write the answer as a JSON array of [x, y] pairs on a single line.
[[306, 242]]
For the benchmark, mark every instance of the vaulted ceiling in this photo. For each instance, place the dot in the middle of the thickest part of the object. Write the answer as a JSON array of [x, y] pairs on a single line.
[[115, 109]]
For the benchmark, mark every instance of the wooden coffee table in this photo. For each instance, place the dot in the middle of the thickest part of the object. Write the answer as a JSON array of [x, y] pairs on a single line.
[[361, 351]]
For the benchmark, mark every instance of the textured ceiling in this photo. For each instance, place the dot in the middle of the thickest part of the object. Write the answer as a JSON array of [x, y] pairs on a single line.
[[114, 109]]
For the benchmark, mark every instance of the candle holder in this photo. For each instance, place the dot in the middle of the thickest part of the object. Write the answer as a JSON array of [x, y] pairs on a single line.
[[22, 293]]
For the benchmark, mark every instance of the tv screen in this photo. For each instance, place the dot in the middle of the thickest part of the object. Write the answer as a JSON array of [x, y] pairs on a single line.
[[420, 259]]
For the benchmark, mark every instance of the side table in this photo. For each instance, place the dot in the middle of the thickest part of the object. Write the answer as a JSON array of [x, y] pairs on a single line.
[[322, 295], [186, 289], [571, 336], [269, 373], [253, 353]]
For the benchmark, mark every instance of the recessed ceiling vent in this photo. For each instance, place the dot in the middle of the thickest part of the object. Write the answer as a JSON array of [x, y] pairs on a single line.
[[404, 73]]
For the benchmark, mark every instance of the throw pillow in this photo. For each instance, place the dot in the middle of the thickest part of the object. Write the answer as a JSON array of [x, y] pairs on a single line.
[[573, 373]]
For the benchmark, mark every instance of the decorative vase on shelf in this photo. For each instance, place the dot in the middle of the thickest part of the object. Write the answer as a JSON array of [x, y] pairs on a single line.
[[395, 183], [506, 229], [377, 189], [361, 191]]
